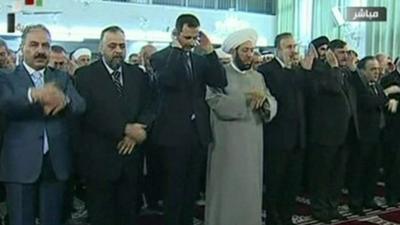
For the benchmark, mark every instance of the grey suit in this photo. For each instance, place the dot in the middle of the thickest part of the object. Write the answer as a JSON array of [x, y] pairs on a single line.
[[23, 167]]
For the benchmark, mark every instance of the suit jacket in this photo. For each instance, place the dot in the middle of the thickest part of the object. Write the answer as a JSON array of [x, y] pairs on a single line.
[[2, 121], [183, 112], [331, 105], [103, 124], [392, 119], [22, 153], [287, 129], [370, 106]]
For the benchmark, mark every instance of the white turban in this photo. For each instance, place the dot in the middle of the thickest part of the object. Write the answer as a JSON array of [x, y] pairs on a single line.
[[222, 55], [239, 37], [80, 52]]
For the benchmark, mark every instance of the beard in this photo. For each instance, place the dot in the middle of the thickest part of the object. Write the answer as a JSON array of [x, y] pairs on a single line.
[[114, 62], [241, 65]]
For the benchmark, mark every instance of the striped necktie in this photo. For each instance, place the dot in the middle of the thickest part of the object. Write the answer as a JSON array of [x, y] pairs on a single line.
[[116, 78]]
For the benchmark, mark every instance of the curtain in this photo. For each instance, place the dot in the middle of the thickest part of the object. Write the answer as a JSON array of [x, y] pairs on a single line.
[[290, 18], [295, 16], [384, 37], [323, 22]]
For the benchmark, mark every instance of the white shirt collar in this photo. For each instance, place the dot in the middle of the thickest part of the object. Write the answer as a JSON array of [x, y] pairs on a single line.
[[143, 68], [110, 71], [280, 62], [31, 70]]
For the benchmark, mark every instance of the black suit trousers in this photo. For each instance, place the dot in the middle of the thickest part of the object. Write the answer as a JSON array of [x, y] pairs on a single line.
[[327, 172], [391, 162], [115, 201], [363, 173], [182, 170], [282, 175], [154, 176]]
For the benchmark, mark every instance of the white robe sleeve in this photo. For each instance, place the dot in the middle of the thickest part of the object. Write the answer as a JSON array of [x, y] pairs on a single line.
[[230, 106]]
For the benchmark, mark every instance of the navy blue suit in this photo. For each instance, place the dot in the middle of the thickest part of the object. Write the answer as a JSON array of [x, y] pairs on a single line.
[[182, 128], [24, 168]]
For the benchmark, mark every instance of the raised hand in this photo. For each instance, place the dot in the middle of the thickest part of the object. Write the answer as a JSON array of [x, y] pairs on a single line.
[[331, 59], [205, 43]]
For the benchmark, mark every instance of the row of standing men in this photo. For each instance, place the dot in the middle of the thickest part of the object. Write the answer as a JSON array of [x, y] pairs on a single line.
[[325, 103]]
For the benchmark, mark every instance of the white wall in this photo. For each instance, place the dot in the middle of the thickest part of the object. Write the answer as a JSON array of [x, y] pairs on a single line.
[[82, 19]]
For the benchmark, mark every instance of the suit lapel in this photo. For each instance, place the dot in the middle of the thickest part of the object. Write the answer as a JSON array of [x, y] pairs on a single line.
[[49, 77], [106, 80], [24, 76]]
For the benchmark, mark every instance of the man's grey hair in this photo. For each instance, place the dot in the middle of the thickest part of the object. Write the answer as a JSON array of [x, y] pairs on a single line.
[[30, 28]]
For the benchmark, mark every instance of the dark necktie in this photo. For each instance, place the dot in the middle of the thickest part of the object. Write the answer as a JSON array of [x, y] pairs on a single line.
[[188, 66], [116, 78], [372, 85]]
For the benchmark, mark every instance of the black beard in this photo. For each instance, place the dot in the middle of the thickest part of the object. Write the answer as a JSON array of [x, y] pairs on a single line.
[[241, 65]]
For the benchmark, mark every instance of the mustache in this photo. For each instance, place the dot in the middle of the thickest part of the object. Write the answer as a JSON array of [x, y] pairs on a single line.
[[40, 56], [117, 57]]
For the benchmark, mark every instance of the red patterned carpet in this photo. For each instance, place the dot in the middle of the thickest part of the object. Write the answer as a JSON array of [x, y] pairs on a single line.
[[389, 216]]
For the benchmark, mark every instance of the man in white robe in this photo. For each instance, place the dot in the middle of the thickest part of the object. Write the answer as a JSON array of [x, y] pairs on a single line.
[[234, 175]]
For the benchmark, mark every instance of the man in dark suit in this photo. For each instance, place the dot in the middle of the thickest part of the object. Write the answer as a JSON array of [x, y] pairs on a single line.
[[3, 69], [391, 145], [113, 126], [364, 160], [36, 154], [332, 129], [182, 129], [152, 172], [284, 136]]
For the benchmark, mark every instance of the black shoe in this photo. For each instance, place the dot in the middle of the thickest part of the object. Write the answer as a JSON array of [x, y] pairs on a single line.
[[336, 215], [273, 218], [357, 211], [322, 217], [286, 220], [373, 206], [391, 202]]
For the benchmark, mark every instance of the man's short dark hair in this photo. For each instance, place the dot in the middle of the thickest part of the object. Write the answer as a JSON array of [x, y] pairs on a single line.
[[363, 61], [280, 37], [337, 43], [58, 49], [112, 29], [188, 19]]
